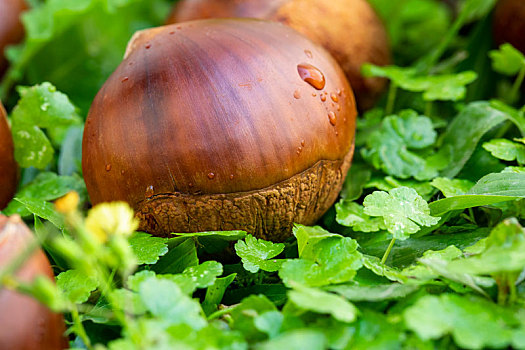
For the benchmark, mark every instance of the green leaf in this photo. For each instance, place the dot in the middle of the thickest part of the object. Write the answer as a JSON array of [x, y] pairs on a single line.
[[474, 323], [355, 181], [178, 258], [325, 258], [322, 302], [46, 186], [147, 248], [507, 60], [490, 189], [303, 339], [165, 299], [76, 286], [504, 252], [270, 323], [451, 188], [352, 215], [40, 106], [374, 293], [375, 265], [247, 312], [464, 133], [506, 150], [205, 274], [255, 254], [389, 146], [43, 209], [402, 210], [215, 293]]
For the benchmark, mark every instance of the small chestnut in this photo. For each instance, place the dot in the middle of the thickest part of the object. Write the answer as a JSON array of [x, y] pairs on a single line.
[[349, 29], [509, 23], [221, 125], [8, 167], [11, 28], [25, 324]]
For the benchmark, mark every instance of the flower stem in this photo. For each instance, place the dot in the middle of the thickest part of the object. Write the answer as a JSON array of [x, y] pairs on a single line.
[[517, 84], [79, 327], [387, 252], [391, 99]]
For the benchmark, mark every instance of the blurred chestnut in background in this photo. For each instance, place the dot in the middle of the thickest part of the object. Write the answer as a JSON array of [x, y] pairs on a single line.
[[509, 23], [25, 324], [221, 125], [8, 167], [11, 28], [349, 29]]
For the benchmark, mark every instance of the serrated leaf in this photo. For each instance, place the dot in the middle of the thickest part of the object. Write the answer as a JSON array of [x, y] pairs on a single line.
[[40, 106], [352, 215], [507, 60], [402, 210], [506, 150], [319, 301], [205, 274], [147, 248], [474, 323], [76, 286], [42, 209], [256, 254], [377, 293], [165, 299], [247, 312], [325, 258], [375, 265]]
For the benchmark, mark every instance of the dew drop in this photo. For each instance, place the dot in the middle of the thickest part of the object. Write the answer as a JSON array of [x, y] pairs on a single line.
[[308, 53], [338, 107], [148, 46], [231, 176], [331, 116], [339, 92], [172, 32], [179, 27], [149, 191], [297, 94], [299, 150], [122, 172], [334, 97], [323, 97], [211, 176], [108, 167], [311, 75], [125, 79], [303, 142], [190, 185]]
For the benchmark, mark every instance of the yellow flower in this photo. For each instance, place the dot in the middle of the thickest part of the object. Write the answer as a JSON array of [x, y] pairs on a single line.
[[108, 219], [67, 203]]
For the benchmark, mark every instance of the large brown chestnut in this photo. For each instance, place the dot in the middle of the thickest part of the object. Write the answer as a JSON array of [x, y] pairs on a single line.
[[8, 167], [509, 23], [349, 29], [221, 125], [11, 28], [25, 324]]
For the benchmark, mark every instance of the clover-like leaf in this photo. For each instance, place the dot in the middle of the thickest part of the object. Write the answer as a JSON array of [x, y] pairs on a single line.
[[256, 254], [402, 209], [507, 60]]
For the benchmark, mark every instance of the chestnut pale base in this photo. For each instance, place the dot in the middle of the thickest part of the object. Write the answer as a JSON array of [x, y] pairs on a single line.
[[268, 213]]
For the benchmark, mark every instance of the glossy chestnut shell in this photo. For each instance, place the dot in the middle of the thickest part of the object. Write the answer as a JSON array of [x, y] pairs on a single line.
[[221, 125], [8, 167], [25, 324], [11, 28], [349, 29], [509, 23]]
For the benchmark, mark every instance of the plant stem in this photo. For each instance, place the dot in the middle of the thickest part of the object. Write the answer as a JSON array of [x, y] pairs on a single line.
[[517, 84], [391, 100], [387, 252], [428, 109], [79, 327], [222, 312]]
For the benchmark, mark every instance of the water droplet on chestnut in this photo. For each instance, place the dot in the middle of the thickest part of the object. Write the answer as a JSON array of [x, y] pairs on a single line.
[[311, 75], [108, 167], [334, 97], [211, 176], [297, 94], [149, 191], [308, 53], [332, 118]]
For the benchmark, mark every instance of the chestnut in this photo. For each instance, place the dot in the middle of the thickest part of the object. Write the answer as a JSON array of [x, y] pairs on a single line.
[[221, 125], [8, 167], [11, 28], [349, 29], [509, 23], [24, 322]]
